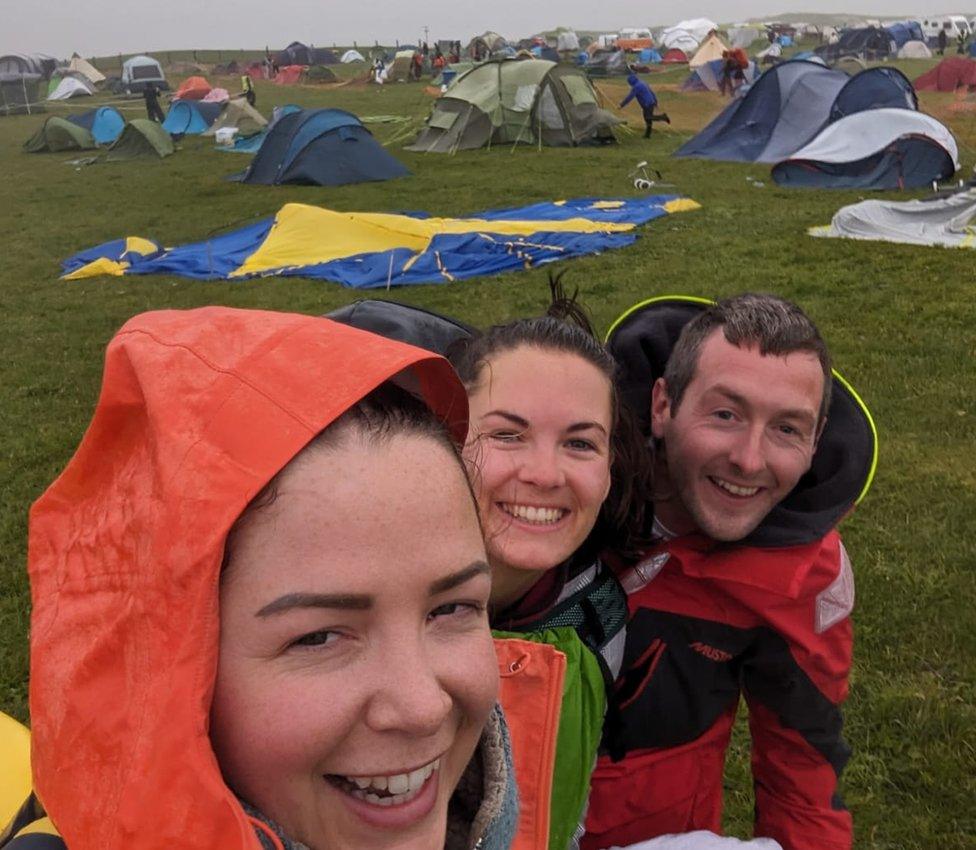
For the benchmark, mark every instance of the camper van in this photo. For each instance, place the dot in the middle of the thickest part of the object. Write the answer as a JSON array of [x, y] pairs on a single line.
[[634, 39], [954, 26]]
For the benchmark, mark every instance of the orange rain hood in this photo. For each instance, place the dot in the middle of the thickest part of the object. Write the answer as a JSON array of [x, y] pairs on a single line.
[[198, 410]]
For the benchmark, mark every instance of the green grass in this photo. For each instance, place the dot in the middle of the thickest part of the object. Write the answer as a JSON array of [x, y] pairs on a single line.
[[899, 319]]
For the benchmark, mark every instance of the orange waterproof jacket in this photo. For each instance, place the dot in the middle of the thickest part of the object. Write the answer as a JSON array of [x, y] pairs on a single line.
[[198, 411]]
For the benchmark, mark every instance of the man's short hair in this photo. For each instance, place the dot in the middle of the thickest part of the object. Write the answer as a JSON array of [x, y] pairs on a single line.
[[776, 326]]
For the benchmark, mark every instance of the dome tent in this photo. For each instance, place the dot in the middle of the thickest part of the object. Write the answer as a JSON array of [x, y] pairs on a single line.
[[58, 134], [789, 105], [140, 138], [875, 149], [511, 101], [190, 117], [321, 147], [70, 87], [105, 123], [139, 71]]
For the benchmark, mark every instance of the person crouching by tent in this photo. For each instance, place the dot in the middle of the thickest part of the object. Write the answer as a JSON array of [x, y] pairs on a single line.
[[150, 94], [247, 89], [648, 103]]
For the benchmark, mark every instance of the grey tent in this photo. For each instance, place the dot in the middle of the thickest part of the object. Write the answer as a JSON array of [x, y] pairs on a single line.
[[942, 221], [510, 101], [140, 138]]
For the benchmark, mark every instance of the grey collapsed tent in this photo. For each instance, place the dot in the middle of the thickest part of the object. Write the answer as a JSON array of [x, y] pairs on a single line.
[[323, 147], [59, 134], [875, 149], [942, 221], [789, 105], [509, 101], [139, 71], [140, 138], [607, 63], [870, 43]]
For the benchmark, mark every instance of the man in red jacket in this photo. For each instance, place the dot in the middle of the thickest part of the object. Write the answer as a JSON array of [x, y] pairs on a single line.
[[748, 589]]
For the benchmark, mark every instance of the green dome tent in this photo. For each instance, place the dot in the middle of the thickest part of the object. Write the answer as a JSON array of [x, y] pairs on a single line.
[[59, 134], [141, 137], [510, 101]]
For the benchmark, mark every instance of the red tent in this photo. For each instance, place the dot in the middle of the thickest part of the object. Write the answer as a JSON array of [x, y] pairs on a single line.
[[193, 88], [675, 57], [948, 75], [289, 75], [257, 71]]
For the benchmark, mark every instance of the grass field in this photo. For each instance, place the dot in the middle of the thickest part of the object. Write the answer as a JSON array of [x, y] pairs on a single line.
[[900, 321]]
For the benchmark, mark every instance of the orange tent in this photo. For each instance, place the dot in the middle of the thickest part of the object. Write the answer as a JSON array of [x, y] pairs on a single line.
[[193, 88], [289, 75]]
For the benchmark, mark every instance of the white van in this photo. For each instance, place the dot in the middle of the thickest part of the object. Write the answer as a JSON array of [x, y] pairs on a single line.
[[954, 25]]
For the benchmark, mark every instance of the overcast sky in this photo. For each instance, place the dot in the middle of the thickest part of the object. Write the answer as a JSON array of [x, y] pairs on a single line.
[[100, 27]]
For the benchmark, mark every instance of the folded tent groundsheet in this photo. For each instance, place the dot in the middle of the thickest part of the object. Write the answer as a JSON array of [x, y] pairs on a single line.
[[366, 250], [877, 149], [946, 222], [59, 134], [104, 123], [321, 147], [190, 117]]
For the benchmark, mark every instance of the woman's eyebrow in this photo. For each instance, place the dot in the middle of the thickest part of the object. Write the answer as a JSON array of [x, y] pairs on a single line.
[[585, 426], [442, 585], [514, 418], [343, 601]]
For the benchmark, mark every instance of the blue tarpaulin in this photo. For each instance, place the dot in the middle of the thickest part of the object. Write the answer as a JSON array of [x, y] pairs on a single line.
[[365, 250]]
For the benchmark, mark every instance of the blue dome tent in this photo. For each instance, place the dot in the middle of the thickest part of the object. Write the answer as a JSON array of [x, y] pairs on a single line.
[[324, 147], [789, 105], [104, 123], [190, 117]]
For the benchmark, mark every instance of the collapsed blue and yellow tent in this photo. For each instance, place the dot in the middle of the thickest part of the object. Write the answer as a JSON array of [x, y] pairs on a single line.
[[364, 250]]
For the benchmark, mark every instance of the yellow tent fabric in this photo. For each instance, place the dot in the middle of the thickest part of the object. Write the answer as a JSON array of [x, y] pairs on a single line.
[[303, 235]]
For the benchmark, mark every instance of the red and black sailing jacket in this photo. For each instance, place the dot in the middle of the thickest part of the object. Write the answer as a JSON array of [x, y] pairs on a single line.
[[766, 619]]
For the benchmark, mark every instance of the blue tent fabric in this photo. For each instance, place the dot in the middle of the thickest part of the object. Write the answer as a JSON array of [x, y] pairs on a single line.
[[252, 144], [874, 88], [911, 162], [789, 105], [324, 147], [901, 32], [105, 123], [190, 117], [447, 257]]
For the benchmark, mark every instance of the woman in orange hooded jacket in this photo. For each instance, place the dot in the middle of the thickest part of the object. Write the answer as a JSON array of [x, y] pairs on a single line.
[[248, 631]]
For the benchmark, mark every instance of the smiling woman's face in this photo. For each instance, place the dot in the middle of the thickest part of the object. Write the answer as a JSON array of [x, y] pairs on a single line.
[[356, 666]]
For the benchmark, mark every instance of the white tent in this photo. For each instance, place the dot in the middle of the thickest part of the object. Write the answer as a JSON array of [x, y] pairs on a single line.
[[696, 28], [944, 221], [140, 70], [861, 134], [90, 71], [914, 50], [711, 48], [70, 87], [679, 40], [352, 56]]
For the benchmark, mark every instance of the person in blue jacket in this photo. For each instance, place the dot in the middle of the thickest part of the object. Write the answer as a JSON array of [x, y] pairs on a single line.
[[648, 103]]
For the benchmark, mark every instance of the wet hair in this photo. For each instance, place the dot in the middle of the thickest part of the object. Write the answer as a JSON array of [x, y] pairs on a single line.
[[774, 325], [388, 411], [625, 517]]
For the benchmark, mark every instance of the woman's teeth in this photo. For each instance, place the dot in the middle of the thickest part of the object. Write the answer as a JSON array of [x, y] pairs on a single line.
[[389, 790], [527, 513]]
